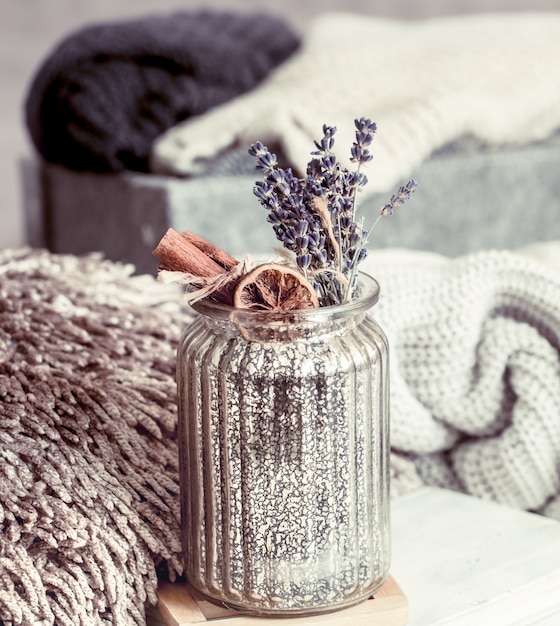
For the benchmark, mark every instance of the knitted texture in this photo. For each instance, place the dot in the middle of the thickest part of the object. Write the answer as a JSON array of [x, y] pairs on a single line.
[[424, 83], [475, 371], [89, 485], [106, 92]]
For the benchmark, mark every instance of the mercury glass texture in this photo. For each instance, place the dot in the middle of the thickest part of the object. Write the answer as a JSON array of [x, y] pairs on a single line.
[[284, 443]]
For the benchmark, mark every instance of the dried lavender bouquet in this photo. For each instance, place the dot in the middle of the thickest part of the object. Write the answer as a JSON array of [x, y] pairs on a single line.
[[315, 217]]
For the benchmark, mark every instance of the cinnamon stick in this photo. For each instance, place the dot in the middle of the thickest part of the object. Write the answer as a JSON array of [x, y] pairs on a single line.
[[216, 254], [178, 254], [190, 253]]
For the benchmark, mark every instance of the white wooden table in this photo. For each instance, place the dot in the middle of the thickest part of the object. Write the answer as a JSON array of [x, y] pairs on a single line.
[[465, 562]]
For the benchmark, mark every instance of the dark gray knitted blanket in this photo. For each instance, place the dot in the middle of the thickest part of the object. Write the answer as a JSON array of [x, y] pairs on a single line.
[[103, 95]]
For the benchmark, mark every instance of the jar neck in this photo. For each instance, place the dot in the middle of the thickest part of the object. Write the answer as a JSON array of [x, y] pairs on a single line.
[[290, 325]]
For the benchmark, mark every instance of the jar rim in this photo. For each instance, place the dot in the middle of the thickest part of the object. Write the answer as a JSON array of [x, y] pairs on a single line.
[[368, 295]]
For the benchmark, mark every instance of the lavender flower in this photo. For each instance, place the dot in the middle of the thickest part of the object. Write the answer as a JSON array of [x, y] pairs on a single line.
[[365, 129], [402, 195], [315, 217]]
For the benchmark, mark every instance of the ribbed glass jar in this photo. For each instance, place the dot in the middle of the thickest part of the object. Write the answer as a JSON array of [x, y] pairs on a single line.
[[284, 456]]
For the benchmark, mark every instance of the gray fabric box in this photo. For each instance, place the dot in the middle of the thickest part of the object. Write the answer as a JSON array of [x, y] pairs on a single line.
[[469, 198]]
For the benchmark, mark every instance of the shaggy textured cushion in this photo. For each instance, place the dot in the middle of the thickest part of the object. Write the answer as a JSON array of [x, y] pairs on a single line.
[[89, 474], [106, 92]]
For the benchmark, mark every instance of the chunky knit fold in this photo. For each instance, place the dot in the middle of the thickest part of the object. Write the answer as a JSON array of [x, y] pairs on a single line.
[[475, 349]]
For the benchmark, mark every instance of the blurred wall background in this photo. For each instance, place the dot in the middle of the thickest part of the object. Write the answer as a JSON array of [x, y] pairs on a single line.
[[29, 29]]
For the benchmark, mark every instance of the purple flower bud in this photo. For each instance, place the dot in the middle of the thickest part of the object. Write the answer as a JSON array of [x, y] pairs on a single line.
[[267, 161], [363, 139], [273, 218], [257, 149], [398, 199], [314, 168], [328, 161], [345, 222], [354, 237], [349, 260], [356, 152], [304, 260], [327, 144], [313, 237], [278, 177], [321, 256], [302, 242], [365, 124], [356, 179], [347, 205], [262, 190]]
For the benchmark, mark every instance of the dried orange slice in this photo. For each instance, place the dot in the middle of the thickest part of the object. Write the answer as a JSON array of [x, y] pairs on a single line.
[[271, 287]]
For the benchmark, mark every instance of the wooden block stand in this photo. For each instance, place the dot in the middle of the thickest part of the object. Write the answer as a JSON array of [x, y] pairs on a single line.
[[179, 605]]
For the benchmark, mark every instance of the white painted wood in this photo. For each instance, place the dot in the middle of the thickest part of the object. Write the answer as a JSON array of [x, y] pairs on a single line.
[[466, 562]]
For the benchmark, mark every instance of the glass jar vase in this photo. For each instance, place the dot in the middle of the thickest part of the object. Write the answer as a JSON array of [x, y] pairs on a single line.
[[284, 455]]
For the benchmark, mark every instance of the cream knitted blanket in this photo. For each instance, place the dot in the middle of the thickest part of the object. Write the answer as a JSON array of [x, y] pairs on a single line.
[[89, 506], [427, 83], [475, 374]]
